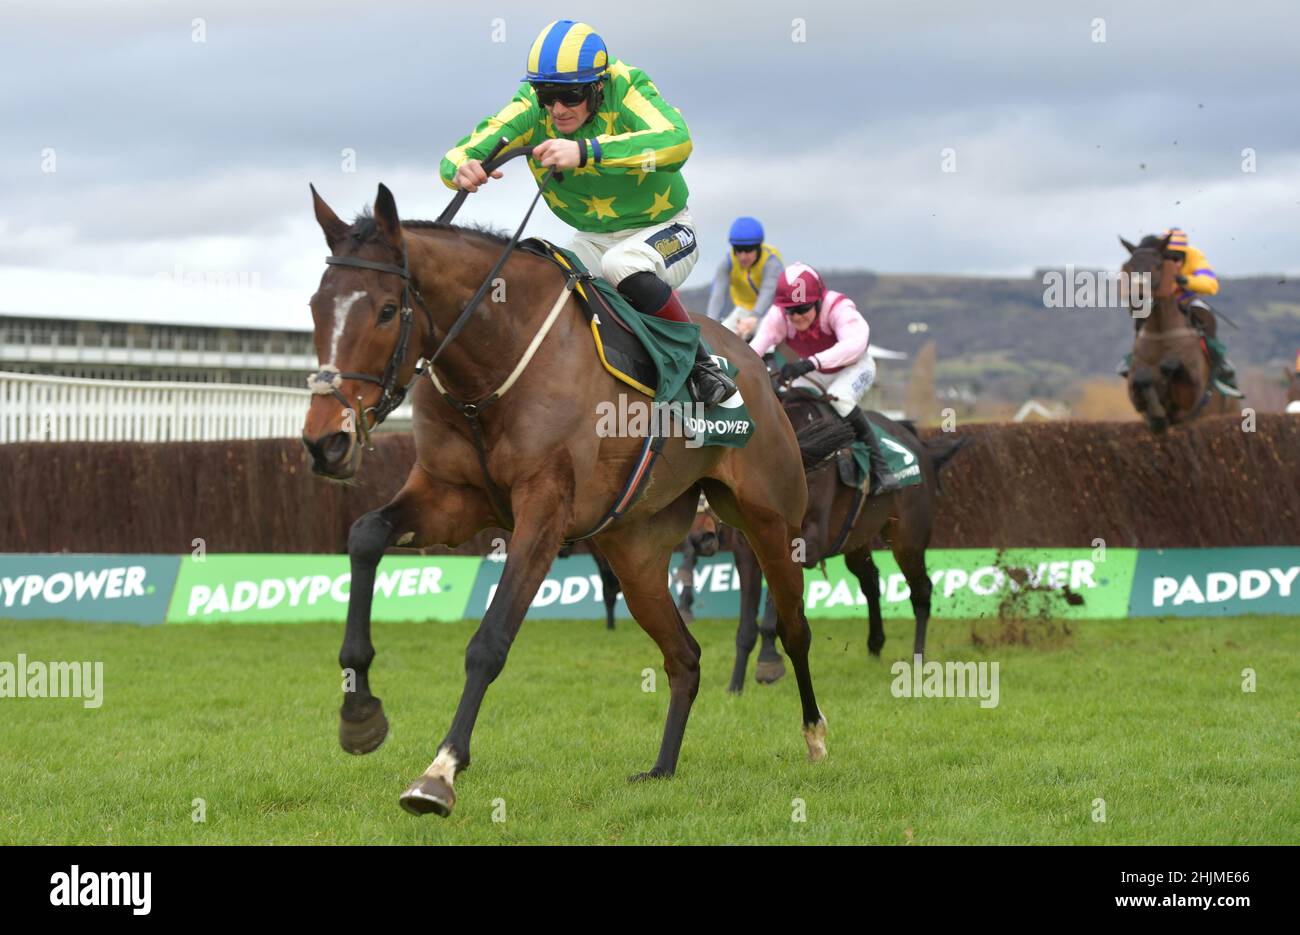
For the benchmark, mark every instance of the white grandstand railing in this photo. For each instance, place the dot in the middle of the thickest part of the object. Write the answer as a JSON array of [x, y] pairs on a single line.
[[44, 408]]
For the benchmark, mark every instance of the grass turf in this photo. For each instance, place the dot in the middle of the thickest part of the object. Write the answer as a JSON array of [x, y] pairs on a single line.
[[1148, 715]]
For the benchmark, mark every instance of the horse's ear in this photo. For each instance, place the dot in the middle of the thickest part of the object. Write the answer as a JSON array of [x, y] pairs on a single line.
[[1164, 242], [335, 230], [1127, 246], [390, 226]]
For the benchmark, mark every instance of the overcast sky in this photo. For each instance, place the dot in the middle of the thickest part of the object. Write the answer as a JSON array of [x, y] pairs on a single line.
[[171, 155]]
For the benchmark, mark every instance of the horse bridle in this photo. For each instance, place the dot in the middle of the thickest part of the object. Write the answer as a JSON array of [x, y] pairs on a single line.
[[328, 379]]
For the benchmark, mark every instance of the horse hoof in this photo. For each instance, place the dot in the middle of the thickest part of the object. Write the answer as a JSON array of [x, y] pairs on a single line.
[[765, 673], [655, 773], [875, 650], [815, 736], [736, 688], [429, 795], [365, 734]]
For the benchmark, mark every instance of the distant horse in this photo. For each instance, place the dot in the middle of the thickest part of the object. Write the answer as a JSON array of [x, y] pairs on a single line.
[[840, 521], [1169, 381], [532, 461], [904, 518]]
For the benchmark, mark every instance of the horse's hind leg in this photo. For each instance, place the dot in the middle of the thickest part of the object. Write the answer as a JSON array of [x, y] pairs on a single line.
[[911, 561], [424, 512], [864, 569], [640, 555], [772, 537]]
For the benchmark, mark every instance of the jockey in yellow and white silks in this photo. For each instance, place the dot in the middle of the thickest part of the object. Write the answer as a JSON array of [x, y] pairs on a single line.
[[746, 277]]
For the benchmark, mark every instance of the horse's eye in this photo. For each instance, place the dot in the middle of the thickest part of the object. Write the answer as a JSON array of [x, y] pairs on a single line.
[[387, 312]]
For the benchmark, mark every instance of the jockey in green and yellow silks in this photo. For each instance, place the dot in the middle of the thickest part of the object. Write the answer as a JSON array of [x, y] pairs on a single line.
[[1197, 279], [620, 148]]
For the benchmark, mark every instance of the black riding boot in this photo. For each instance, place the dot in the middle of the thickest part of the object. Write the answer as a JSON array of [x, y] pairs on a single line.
[[884, 480], [709, 385]]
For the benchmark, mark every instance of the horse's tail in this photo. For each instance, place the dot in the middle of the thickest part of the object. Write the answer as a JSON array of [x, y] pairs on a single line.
[[821, 439], [941, 452]]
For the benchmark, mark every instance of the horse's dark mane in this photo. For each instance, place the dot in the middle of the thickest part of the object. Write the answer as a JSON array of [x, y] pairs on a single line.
[[821, 439], [364, 229]]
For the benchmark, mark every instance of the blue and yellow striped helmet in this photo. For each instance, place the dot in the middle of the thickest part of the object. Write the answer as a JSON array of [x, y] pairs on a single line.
[[567, 53]]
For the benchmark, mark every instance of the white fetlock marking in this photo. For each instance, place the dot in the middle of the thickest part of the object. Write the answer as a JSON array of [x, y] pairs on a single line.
[[815, 737], [443, 767]]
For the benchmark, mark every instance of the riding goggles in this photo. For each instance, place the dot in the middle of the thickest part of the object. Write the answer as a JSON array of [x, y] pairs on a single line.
[[570, 95]]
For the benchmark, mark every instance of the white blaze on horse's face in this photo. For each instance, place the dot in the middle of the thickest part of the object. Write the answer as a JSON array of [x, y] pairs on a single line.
[[342, 305]]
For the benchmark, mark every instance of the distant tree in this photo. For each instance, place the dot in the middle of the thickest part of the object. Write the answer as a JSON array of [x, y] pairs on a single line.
[[920, 385]]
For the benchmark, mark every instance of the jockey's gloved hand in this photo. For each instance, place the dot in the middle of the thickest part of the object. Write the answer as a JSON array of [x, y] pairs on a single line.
[[1181, 280], [797, 368]]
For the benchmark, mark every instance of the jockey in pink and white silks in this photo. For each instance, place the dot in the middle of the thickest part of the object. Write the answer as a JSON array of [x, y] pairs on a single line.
[[831, 337]]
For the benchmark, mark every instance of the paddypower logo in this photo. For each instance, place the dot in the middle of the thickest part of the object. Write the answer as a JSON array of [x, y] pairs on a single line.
[[101, 584], [985, 581], [306, 591], [1217, 587]]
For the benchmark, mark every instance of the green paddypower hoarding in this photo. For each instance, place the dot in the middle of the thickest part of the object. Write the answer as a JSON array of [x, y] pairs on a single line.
[[971, 583], [1109, 584], [300, 588], [1066, 583]]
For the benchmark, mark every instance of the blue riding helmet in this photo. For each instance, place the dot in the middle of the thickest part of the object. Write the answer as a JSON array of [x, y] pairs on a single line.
[[746, 232]]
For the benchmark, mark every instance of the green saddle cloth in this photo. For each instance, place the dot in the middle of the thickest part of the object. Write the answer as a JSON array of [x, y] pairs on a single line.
[[670, 348]]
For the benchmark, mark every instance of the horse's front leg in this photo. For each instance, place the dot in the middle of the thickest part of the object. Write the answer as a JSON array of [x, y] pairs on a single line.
[[542, 507], [424, 512]]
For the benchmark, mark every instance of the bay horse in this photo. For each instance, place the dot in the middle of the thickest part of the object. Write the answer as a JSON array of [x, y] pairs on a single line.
[[840, 522], [904, 518], [1169, 381], [513, 442]]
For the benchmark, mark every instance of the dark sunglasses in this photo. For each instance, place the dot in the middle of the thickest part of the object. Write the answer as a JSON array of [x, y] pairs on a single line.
[[570, 95], [801, 309], [745, 248]]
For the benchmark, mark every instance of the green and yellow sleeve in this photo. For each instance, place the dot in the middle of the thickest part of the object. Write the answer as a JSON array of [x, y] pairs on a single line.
[[661, 142], [517, 122]]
